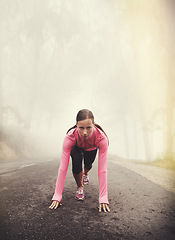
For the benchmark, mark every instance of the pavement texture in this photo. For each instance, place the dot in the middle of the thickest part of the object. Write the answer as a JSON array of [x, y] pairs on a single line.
[[161, 176], [140, 208]]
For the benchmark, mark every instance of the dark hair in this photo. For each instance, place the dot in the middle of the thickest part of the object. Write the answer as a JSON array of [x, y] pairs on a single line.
[[86, 114]]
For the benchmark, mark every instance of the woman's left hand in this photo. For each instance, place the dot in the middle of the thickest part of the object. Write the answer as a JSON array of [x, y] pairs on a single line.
[[104, 206]]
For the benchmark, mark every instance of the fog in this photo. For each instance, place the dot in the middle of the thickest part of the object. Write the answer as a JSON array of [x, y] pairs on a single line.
[[114, 57]]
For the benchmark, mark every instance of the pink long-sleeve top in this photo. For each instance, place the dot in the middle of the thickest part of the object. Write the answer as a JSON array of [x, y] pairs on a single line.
[[96, 139]]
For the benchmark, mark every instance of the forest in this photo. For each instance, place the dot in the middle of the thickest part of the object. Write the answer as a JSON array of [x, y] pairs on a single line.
[[114, 57]]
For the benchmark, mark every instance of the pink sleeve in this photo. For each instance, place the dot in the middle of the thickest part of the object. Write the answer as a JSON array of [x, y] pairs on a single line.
[[102, 171], [62, 171]]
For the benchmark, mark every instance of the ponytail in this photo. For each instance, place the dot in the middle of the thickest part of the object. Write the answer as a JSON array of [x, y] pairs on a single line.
[[71, 128]]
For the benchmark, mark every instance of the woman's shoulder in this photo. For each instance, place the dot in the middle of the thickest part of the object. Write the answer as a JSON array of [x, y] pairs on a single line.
[[99, 132], [70, 137], [101, 138]]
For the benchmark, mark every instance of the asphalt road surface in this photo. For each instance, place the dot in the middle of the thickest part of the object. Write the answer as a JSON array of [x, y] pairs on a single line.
[[140, 209]]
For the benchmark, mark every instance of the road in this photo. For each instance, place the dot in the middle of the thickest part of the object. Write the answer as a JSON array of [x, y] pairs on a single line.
[[140, 209]]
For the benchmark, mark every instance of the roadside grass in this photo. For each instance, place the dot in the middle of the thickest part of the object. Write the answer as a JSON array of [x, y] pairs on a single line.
[[163, 163]]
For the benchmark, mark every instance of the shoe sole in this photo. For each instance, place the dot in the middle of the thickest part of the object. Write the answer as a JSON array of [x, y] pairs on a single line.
[[81, 199]]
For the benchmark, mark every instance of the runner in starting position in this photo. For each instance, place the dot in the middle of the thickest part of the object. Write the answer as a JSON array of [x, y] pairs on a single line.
[[82, 142]]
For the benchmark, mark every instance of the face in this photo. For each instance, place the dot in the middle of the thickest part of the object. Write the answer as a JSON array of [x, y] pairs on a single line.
[[85, 128]]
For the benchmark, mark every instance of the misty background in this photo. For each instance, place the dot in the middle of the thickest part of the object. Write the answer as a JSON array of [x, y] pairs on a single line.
[[114, 57]]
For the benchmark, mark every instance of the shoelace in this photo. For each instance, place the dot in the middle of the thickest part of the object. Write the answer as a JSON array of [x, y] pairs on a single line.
[[80, 190], [85, 177]]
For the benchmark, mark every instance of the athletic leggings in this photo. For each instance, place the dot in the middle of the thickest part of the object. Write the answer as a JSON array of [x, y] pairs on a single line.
[[77, 155]]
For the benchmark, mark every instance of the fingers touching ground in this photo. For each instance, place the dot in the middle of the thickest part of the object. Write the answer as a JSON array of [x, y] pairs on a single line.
[[104, 207], [54, 205]]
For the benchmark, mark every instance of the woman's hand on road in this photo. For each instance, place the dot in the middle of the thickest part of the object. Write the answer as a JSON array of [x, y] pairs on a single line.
[[104, 206], [55, 204]]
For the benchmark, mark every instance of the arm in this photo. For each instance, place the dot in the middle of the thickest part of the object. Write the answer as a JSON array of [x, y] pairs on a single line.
[[102, 171], [62, 171]]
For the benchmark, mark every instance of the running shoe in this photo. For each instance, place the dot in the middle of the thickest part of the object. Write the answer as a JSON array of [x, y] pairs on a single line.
[[79, 193], [85, 179]]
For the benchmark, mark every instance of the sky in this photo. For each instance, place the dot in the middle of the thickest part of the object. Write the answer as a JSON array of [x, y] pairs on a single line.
[[112, 57]]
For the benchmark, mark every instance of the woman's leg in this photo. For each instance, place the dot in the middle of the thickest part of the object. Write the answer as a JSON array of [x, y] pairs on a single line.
[[89, 158], [77, 156], [78, 178]]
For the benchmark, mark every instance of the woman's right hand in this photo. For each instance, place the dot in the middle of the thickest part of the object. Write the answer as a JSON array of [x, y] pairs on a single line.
[[55, 204]]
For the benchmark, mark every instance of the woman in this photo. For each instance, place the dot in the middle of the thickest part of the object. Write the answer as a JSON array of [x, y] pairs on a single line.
[[82, 141]]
